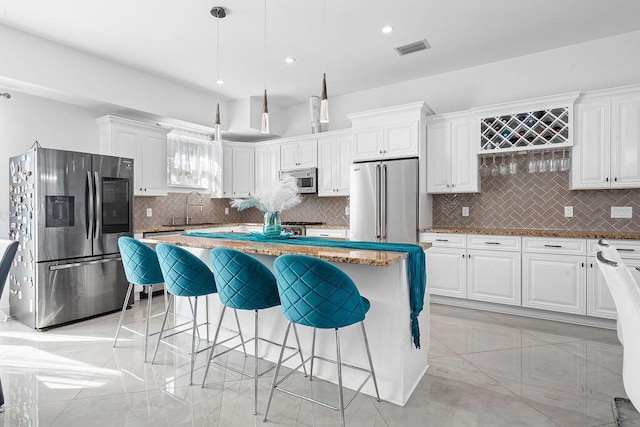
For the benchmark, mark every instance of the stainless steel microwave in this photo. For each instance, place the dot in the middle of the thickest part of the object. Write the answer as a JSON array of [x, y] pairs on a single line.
[[306, 179]]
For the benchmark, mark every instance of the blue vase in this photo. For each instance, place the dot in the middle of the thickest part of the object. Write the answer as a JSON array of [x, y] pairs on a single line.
[[272, 226]]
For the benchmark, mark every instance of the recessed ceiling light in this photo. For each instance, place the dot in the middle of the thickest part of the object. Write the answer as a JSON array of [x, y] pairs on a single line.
[[387, 29], [289, 59], [220, 82]]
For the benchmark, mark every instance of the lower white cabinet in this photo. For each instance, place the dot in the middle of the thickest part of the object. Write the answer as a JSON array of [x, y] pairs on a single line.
[[447, 272], [332, 233], [554, 282], [599, 300], [494, 276]]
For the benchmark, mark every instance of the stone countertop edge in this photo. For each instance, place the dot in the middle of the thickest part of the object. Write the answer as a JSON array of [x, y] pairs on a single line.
[[579, 234], [349, 256], [160, 228]]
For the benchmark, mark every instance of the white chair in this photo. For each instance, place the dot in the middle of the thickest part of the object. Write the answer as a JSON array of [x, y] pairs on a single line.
[[8, 249], [626, 296]]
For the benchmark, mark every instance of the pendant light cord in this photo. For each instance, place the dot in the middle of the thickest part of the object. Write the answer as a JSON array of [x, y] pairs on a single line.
[[218, 59], [324, 31], [265, 44]]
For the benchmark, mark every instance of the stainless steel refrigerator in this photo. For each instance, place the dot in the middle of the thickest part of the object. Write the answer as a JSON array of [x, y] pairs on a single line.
[[67, 210], [384, 201]]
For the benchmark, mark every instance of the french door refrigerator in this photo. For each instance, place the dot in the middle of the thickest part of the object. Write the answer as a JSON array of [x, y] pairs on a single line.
[[384, 201], [67, 210]]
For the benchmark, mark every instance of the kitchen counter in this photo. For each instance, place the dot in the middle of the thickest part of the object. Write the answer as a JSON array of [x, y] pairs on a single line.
[[279, 247], [180, 227], [537, 233]]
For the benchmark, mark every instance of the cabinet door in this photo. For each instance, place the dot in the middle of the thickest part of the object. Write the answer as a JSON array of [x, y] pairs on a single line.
[[367, 143], [125, 143], [153, 159], [326, 157], [438, 157], [464, 156], [267, 167], [625, 142], [342, 165], [554, 282], [289, 156], [400, 140], [590, 166], [308, 154], [494, 276], [243, 171], [447, 272], [227, 171], [599, 300]]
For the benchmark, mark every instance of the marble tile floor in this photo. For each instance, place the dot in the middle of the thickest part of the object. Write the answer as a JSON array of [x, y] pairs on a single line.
[[487, 369]]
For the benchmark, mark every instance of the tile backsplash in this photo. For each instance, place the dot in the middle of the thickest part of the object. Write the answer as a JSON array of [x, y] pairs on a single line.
[[330, 210], [536, 201]]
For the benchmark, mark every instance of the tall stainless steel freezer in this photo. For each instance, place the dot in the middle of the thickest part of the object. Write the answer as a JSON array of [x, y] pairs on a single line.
[[67, 210], [384, 201]]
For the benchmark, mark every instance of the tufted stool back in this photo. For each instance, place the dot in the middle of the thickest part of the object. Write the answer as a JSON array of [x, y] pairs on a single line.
[[243, 282], [140, 262], [185, 274], [317, 294]]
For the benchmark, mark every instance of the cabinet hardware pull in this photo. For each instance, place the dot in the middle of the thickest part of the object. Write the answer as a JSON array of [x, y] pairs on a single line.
[[453, 185], [553, 246], [324, 235], [447, 185], [607, 179], [463, 257], [615, 179], [491, 243], [625, 250], [469, 256], [583, 264], [442, 240], [591, 265]]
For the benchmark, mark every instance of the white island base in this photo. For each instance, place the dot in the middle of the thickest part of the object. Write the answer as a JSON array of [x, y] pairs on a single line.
[[399, 366]]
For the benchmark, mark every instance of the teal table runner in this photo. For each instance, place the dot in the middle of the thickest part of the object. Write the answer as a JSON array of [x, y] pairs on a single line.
[[416, 265]]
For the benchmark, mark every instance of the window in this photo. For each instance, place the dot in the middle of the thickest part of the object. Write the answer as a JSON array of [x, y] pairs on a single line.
[[188, 159]]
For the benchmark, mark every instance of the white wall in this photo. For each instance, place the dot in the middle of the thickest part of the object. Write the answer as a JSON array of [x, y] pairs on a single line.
[[25, 118], [600, 64]]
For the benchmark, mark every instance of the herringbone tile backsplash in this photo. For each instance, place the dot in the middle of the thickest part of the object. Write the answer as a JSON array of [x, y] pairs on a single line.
[[329, 210], [536, 201]]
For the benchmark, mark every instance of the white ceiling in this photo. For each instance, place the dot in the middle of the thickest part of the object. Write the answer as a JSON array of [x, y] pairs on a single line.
[[176, 39]]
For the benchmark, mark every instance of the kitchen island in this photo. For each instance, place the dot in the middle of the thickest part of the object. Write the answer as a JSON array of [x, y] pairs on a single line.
[[379, 275]]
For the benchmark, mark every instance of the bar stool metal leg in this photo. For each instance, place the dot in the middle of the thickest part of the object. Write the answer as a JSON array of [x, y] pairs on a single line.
[[255, 365], [164, 323], [295, 333], [124, 309], [194, 330], [277, 372], [339, 363], [373, 373], [244, 349], [148, 320], [213, 346], [313, 352]]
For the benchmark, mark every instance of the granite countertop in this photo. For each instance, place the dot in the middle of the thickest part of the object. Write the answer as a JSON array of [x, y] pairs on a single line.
[[179, 227], [350, 256], [537, 233]]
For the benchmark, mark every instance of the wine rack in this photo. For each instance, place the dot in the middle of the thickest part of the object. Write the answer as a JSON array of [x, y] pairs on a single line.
[[542, 129]]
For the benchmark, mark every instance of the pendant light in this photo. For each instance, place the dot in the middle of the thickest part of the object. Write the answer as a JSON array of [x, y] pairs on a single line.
[[264, 127], [218, 12], [324, 102]]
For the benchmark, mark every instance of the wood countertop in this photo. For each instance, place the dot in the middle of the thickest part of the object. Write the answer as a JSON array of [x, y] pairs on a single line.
[[350, 256], [537, 233]]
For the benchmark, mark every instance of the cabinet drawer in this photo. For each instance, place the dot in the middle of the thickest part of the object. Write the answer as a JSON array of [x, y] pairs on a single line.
[[626, 248], [445, 240], [488, 242], [334, 233], [549, 245]]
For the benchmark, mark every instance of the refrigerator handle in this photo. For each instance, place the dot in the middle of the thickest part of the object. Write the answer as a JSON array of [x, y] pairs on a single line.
[[378, 178], [89, 212], [98, 205], [383, 202]]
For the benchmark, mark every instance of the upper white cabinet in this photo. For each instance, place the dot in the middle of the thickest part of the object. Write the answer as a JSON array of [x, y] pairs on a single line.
[[233, 169], [300, 153], [146, 144], [334, 161], [452, 160], [267, 166], [606, 151], [389, 133]]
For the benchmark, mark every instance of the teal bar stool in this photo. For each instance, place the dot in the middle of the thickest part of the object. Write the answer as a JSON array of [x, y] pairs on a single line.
[[244, 283], [185, 275], [141, 268], [315, 293]]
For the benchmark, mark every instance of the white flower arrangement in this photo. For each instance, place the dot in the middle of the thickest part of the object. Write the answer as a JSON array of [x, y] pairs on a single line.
[[283, 195]]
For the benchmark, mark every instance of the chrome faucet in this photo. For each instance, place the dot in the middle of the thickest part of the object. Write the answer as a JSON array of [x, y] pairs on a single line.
[[193, 204]]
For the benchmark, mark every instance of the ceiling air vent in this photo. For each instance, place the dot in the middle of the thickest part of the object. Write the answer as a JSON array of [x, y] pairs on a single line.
[[412, 47]]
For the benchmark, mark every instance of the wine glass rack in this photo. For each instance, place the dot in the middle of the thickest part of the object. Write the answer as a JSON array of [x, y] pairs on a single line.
[[534, 130]]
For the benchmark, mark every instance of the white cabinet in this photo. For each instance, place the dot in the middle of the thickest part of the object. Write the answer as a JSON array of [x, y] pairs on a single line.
[[233, 170], [146, 144], [452, 160], [606, 152], [389, 133], [299, 154], [332, 233], [267, 166], [334, 164], [554, 274], [447, 272]]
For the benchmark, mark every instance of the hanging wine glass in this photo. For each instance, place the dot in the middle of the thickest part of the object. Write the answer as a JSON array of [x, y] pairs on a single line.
[[565, 162], [513, 165], [484, 168], [494, 171], [532, 164], [553, 163], [503, 168], [542, 164]]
